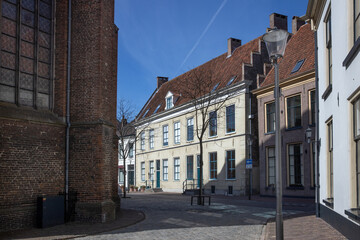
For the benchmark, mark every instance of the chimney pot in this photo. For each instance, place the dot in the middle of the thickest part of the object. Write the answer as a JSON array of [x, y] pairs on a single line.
[[296, 24], [161, 81], [233, 43], [279, 21]]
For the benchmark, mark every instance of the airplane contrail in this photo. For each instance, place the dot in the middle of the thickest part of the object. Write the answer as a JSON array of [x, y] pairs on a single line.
[[201, 36]]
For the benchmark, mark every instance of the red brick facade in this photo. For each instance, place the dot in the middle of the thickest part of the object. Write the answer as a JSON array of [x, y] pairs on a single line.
[[32, 141]]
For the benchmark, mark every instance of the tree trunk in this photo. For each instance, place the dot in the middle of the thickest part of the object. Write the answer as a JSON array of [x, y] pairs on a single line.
[[201, 172], [124, 178]]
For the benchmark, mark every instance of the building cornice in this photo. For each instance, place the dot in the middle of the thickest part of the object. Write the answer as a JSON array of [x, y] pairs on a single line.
[[291, 81], [314, 12]]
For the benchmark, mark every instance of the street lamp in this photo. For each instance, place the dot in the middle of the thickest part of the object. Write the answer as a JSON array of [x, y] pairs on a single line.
[[275, 41]]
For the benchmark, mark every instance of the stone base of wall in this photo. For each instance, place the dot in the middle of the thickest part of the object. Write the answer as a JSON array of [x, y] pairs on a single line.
[[96, 212]]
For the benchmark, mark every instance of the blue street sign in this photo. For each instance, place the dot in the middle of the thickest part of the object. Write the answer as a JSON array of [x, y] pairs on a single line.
[[248, 163]]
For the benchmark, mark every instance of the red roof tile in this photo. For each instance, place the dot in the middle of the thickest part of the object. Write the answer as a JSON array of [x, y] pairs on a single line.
[[223, 68], [300, 46]]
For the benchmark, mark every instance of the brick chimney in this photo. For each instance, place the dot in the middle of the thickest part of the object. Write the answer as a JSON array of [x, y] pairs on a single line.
[[279, 21], [296, 24], [161, 81], [233, 43]]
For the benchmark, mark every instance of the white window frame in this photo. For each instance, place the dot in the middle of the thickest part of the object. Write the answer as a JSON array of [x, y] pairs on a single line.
[[177, 132]]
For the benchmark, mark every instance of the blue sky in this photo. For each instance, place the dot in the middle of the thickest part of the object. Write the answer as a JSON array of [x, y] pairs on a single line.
[[169, 37]]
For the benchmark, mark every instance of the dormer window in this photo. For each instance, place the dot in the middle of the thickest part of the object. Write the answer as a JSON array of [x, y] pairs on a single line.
[[231, 80], [169, 100], [215, 87], [157, 108]]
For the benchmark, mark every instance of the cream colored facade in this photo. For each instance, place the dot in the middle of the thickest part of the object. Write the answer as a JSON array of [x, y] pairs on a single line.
[[221, 143]]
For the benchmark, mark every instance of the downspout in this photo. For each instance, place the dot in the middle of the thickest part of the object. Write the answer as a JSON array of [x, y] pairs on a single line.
[[317, 142], [67, 149]]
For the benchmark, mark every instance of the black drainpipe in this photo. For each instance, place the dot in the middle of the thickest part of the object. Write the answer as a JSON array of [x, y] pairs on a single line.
[[68, 115], [317, 141]]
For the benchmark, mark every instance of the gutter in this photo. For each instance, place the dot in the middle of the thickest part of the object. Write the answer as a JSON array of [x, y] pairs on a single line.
[[317, 141], [68, 124]]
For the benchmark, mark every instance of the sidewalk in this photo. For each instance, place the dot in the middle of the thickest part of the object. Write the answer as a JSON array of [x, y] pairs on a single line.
[[70, 230], [303, 227]]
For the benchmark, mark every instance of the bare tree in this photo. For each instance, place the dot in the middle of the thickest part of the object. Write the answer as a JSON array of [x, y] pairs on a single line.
[[203, 92], [126, 132]]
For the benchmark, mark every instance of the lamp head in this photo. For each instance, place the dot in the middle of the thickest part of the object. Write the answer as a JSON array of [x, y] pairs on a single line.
[[275, 41]]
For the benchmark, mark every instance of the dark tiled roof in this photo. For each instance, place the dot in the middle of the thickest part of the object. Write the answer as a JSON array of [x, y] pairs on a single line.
[[223, 68], [300, 46]]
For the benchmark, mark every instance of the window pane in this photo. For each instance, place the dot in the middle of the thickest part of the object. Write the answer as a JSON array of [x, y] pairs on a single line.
[[357, 118], [26, 81], [27, 18], [213, 123], [8, 43], [26, 97], [27, 49], [230, 160], [190, 167], [7, 76], [312, 107], [28, 4], [7, 94], [43, 100], [9, 10], [8, 60]]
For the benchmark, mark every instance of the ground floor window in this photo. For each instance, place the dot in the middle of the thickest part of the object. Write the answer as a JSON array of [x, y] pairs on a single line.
[[165, 170], [121, 176], [176, 168], [270, 163], [190, 167], [330, 160], [213, 165], [230, 164], [143, 171], [296, 168], [356, 112], [151, 170]]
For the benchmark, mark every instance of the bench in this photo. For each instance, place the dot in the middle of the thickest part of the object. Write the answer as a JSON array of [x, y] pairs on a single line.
[[203, 198]]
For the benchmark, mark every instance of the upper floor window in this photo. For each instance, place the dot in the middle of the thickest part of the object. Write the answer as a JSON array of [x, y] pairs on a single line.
[[213, 124], [165, 135], [27, 40], [151, 138], [177, 132], [293, 111], [131, 150], [230, 119], [190, 129], [329, 47], [356, 19], [142, 141], [270, 117], [312, 107], [169, 102]]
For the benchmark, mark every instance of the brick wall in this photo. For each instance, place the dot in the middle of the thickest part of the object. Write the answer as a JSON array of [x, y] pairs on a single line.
[[32, 164], [32, 142]]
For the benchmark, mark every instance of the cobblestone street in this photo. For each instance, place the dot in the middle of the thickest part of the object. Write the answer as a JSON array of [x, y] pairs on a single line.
[[170, 216]]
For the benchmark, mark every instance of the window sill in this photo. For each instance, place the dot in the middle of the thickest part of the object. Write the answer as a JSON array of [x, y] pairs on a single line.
[[295, 188], [230, 133], [270, 187], [329, 202], [215, 136], [352, 54], [293, 128], [353, 213], [213, 180], [230, 179], [189, 141], [327, 92], [269, 133]]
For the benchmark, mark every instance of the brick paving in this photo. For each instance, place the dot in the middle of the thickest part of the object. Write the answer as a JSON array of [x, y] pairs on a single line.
[[170, 216], [306, 227]]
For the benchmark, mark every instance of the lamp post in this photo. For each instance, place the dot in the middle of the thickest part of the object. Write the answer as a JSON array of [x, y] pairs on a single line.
[[275, 41]]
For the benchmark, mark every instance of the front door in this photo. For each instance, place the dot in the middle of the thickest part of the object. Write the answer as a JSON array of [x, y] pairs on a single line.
[[130, 173], [157, 173]]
